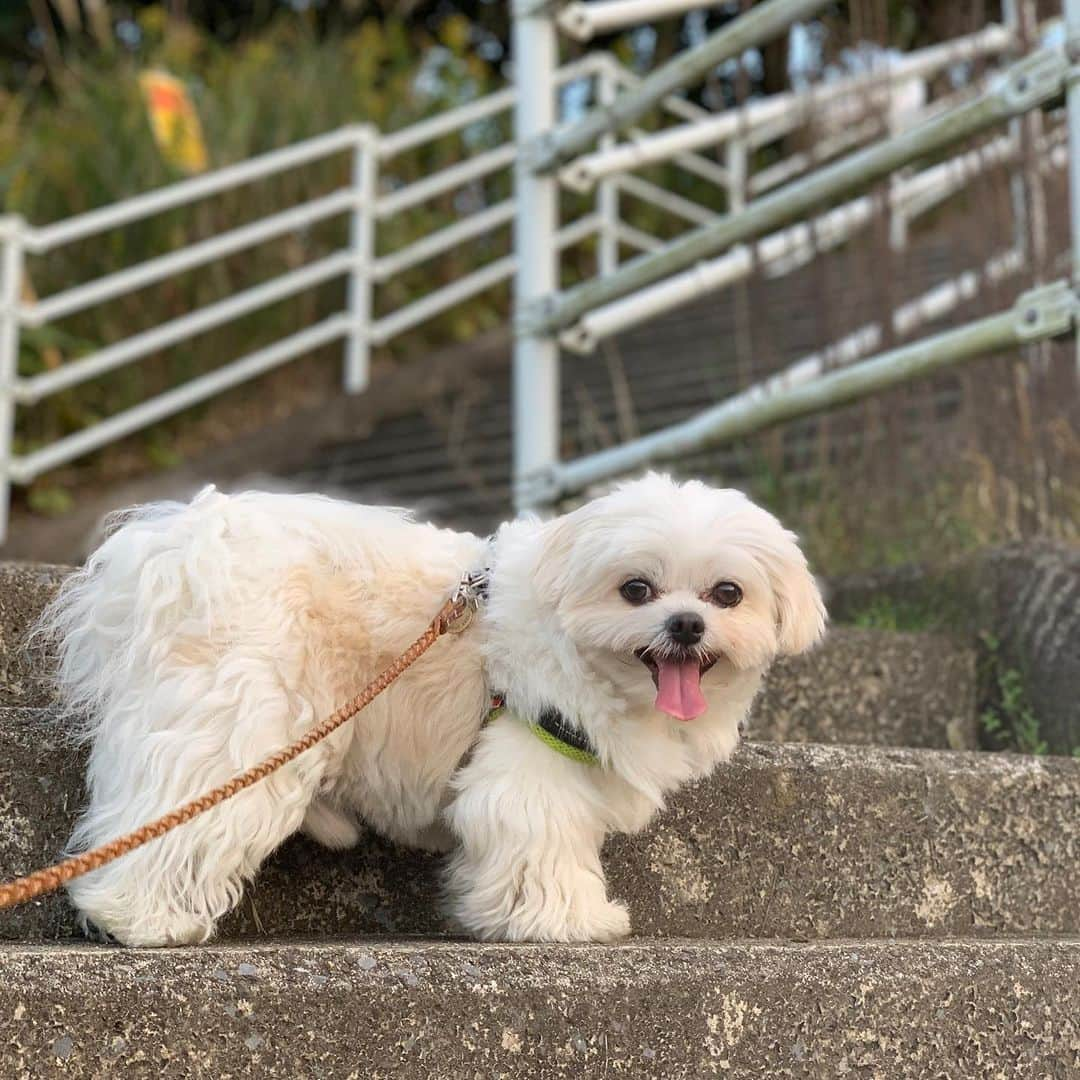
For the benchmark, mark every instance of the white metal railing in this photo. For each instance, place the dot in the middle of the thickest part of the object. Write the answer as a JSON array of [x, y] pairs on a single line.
[[835, 104], [783, 251], [722, 248], [542, 157], [361, 201], [21, 240]]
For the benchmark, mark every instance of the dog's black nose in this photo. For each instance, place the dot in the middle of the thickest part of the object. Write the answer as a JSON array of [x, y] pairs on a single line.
[[685, 627]]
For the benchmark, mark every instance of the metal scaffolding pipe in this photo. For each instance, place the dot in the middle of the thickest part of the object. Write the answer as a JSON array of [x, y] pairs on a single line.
[[781, 252], [1023, 86], [869, 92], [447, 123], [1037, 315], [761, 23], [907, 318], [583, 21]]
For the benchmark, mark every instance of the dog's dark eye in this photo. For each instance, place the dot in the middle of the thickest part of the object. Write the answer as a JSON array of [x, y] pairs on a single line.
[[636, 591], [726, 594]]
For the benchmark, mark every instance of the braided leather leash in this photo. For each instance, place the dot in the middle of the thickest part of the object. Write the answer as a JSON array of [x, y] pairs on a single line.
[[455, 615]]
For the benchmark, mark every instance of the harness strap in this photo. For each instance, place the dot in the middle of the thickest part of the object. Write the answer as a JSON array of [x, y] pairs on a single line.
[[555, 731]]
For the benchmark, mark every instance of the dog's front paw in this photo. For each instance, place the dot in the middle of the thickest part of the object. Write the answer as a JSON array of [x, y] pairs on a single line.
[[581, 922], [595, 921]]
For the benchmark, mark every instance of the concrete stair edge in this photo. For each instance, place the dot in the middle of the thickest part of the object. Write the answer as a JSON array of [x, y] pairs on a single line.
[[673, 1010]]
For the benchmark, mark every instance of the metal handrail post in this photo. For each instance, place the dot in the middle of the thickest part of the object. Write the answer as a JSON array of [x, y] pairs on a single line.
[[536, 353], [365, 180], [12, 230]]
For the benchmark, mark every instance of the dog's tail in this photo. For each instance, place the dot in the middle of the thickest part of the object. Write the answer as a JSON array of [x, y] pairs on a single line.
[[125, 602]]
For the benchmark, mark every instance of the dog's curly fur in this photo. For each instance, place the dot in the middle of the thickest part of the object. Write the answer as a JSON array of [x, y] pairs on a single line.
[[199, 638]]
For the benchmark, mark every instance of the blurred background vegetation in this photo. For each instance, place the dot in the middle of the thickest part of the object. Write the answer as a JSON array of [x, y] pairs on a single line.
[[74, 135]]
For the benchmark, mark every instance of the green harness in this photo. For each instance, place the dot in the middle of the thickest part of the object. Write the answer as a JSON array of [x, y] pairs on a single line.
[[555, 732]]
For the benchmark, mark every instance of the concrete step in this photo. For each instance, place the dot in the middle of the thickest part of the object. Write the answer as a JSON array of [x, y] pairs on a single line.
[[786, 841], [449, 1010], [873, 687], [861, 686]]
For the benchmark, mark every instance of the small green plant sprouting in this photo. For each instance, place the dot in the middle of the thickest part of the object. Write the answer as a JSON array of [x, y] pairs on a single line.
[[1007, 719]]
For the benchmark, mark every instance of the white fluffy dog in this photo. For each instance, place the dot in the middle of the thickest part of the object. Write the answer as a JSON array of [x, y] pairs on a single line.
[[627, 638]]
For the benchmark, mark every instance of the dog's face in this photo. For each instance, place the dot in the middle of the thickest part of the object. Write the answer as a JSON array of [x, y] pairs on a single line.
[[659, 583]]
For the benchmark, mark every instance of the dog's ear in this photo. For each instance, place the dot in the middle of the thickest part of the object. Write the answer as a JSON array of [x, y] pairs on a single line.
[[800, 609], [553, 573]]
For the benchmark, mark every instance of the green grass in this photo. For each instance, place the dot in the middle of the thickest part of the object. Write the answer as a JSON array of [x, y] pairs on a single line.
[[1007, 720], [886, 613]]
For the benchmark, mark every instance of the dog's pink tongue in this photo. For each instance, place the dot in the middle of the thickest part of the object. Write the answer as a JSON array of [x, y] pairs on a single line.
[[679, 689]]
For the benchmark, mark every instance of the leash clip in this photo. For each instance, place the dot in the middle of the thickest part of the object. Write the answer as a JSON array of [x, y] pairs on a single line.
[[469, 594]]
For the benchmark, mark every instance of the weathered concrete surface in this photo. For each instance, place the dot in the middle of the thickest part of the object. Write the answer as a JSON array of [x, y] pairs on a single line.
[[1027, 595], [448, 1010], [24, 590], [822, 842], [872, 687], [41, 789], [786, 841]]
